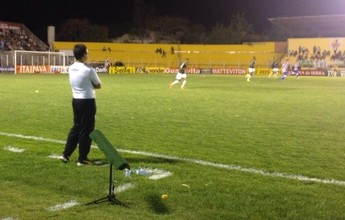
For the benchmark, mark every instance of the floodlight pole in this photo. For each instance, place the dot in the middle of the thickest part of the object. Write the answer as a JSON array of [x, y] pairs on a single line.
[[111, 195]]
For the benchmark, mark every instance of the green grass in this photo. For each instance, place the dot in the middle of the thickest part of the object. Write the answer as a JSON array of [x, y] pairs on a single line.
[[239, 130]]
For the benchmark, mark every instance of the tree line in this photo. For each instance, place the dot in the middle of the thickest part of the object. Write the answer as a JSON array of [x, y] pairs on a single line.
[[168, 29]]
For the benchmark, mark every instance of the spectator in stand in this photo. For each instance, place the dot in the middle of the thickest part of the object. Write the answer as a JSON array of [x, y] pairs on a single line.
[[334, 72], [172, 50], [2, 44]]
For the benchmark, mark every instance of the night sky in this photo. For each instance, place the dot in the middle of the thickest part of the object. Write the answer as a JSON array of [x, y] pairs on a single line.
[[38, 14]]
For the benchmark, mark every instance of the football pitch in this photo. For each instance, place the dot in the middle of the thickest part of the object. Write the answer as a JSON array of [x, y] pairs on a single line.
[[222, 148]]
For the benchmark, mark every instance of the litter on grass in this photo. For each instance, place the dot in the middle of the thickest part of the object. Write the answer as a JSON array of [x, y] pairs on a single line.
[[153, 174]]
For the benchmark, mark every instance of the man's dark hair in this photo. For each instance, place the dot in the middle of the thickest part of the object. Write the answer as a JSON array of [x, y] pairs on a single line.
[[79, 51]]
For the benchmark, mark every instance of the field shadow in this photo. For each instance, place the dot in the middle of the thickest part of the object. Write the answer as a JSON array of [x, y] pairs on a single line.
[[157, 205], [150, 160], [100, 161]]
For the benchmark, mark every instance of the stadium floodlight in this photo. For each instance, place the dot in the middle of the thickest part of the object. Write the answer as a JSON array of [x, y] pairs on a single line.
[[114, 159]]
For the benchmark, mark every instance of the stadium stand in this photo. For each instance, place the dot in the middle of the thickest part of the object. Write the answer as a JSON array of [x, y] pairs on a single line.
[[317, 41], [16, 36]]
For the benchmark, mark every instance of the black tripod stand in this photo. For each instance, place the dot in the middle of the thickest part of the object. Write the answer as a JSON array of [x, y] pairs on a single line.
[[115, 159], [111, 196]]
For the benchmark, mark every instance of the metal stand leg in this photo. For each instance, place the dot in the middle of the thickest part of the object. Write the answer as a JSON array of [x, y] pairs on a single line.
[[111, 196]]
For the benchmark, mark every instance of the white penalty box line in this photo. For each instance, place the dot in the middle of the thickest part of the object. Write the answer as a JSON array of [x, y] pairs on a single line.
[[200, 162]]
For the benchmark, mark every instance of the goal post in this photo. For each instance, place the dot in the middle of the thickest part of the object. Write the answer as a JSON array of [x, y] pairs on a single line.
[[39, 62]]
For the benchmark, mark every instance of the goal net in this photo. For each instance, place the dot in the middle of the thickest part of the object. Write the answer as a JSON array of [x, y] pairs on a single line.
[[39, 62]]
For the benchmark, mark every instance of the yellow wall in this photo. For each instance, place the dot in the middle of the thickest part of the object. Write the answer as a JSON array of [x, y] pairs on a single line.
[[203, 56]]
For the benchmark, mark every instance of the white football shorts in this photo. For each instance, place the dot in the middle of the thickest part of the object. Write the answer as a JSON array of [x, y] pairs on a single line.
[[181, 76], [251, 70]]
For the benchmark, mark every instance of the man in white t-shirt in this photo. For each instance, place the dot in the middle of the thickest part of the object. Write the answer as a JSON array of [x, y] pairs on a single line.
[[84, 80]]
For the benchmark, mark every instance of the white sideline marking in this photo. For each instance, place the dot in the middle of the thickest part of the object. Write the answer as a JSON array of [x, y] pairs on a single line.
[[159, 174], [14, 149], [32, 138], [54, 156], [239, 168], [201, 162], [72, 203], [62, 206]]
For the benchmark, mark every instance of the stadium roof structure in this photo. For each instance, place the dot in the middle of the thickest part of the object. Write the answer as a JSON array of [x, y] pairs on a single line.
[[312, 26]]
